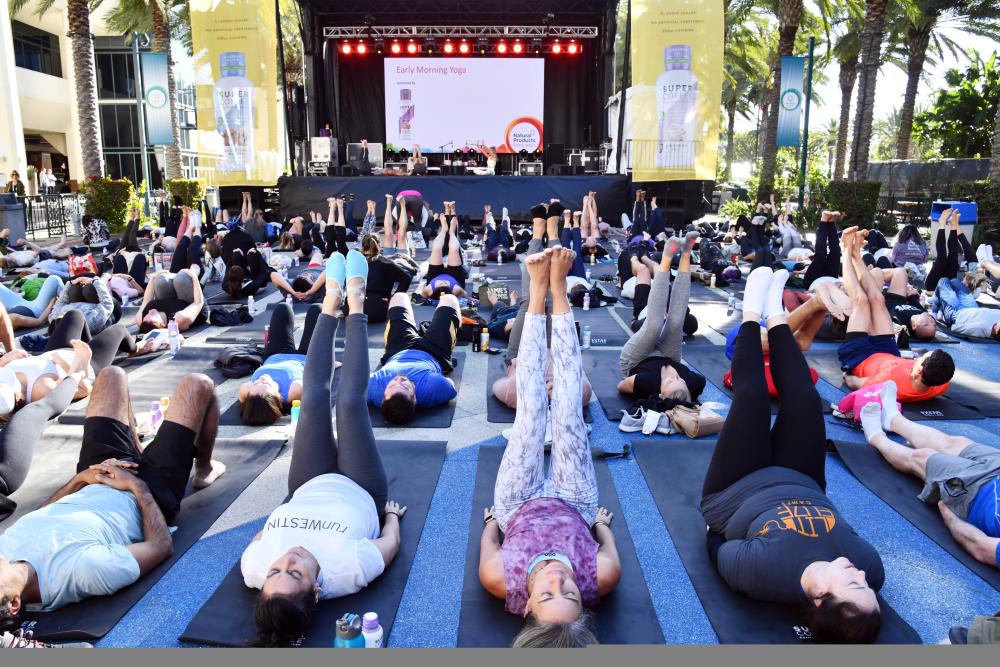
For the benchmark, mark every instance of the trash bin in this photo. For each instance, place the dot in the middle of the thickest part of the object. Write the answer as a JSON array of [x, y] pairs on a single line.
[[12, 215], [968, 216]]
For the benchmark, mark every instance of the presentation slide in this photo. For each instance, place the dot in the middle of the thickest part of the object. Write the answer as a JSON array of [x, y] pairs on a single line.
[[443, 104]]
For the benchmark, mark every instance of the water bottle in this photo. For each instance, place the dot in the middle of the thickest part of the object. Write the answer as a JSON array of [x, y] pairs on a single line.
[[475, 283], [295, 261], [500, 258], [157, 267], [155, 416], [587, 274], [586, 300], [173, 337], [711, 281], [250, 306], [586, 337], [267, 333], [484, 340], [124, 298], [349, 632], [288, 300], [593, 260], [296, 408], [371, 629]]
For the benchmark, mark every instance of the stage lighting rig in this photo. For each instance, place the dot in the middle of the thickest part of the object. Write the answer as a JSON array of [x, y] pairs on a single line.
[[482, 45], [430, 45], [573, 48], [412, 48], [396, 48], [535, 46], [557, 48], [346, 48], [449, 47], [502, 48], [517, 47], [463, 47]]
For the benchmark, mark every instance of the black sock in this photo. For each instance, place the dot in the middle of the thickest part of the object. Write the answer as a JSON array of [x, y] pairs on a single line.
[[538, 211], [556, 209]]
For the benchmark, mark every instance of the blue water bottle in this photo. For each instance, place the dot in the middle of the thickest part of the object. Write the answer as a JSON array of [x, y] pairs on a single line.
[[349, 632]]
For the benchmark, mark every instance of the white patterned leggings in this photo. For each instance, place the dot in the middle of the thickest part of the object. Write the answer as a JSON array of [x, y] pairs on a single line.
[[522, 474]]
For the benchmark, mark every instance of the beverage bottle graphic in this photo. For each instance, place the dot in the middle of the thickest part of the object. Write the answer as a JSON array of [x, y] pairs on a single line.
[[676, 106], [233, 97], [405, 114]]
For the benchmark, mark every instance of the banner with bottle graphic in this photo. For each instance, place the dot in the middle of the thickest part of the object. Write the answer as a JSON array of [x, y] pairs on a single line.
[[790, 100], [676, 58], [240, 120], [154, 93]]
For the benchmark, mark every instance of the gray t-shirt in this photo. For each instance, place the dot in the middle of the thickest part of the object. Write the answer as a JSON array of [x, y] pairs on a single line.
[[77, 545], [977, 322]]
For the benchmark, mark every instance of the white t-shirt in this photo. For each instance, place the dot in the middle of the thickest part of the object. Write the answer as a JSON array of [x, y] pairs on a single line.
[[23, 257], [335, 520], [799, 254], [573, 281], [977, 322], [78, 545]]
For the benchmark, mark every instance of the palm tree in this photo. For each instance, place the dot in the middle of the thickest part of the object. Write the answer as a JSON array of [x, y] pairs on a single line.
[[995, 154], [871, 60], [744, 66], [923, 27], [847, 50], [789, 13], [154, 16], [84, 79]]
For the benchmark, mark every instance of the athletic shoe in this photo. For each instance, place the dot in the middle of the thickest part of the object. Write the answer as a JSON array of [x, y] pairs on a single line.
[[632, 423], [23, 639], [665, 426], [958, 635]]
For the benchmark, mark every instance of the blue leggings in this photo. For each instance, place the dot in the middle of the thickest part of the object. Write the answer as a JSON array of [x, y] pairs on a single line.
[[571, 238], [18, 305]]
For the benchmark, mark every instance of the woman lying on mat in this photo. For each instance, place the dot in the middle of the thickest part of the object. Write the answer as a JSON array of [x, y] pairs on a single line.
[[445, 275], [325, 541], [499, 241], [250, 273], [773, 533], [558, 554], [385, 278], [505, 388], [176, 296], [590, 230], [651, 359]]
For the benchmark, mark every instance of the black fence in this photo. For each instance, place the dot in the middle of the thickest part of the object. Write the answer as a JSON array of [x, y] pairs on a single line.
[[52, 215], [909, 186]]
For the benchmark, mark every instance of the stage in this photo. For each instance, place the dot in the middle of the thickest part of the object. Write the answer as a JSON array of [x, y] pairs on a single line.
[[299, 195]]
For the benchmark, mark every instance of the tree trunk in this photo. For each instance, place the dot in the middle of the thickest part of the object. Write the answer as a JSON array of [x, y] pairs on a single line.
[[995, 155], [161, 42], [731, 140], [871, 47], [917, 40], [848, 77], [786, 42], [85, 81]]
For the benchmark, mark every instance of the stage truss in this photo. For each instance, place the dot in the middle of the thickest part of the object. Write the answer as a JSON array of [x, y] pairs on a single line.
[[460, 32]]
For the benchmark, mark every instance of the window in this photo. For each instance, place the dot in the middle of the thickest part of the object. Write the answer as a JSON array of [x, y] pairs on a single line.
[[36, 49], [119, 126], [115, 76]]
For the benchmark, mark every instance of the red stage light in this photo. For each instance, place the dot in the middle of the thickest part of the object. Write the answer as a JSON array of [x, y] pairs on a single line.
[[345, 49], [518, 47], [557, 48], [361, 48], [573, 48], [463, 48], [502, 47], [449, 47], [396, 48], [411, 48]]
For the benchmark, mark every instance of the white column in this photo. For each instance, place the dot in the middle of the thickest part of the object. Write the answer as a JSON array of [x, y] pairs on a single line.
[[12, 155]]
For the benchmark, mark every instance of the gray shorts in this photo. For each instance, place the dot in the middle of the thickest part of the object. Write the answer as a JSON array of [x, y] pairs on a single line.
[[958, 479]]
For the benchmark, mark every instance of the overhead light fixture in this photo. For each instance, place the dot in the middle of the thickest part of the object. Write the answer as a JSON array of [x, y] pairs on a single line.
[[573, 48], [463, 47], [518, 47], [430, 45], [396, 48], [557, 48], [412, 48], [449, 48], [361, 48], [345, 48], [502, 48], [535, 45], [482, 45]]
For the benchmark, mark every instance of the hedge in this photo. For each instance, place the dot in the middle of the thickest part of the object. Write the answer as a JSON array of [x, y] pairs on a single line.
[[986, 194], [856, 200], [109, 199], [190, 191]]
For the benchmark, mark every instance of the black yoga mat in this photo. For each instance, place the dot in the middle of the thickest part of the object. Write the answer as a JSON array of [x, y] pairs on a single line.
[[413, 468], [507, 270], [901, 492], [601, 367], [497, 412], [711, 362], [439, 416], [94, 617], [674, 472], [827, 364], [160, 382], [623, 617], [604, 329], [223, 298], [975, 392]]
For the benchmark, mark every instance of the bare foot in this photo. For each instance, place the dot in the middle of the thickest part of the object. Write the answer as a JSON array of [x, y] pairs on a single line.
[[649, 263], [562, 262], [538, 267], [81, 357], [514, 296], [834, 305], [847, 238], [205, 478], [331, 200], [491, 297]]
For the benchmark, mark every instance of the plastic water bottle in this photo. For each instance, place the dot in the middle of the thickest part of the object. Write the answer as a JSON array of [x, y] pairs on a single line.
[[296, 408], [155, 416], [295, 261], [711, 281], [500, 258], [267, 333], [250, 305], [593, 260], [371, 629], [173, 336], [586, 300], [587, 274], [586, 337], [349, 632]]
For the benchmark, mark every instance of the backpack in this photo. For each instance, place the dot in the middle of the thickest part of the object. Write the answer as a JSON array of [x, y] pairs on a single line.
[[240, 360]]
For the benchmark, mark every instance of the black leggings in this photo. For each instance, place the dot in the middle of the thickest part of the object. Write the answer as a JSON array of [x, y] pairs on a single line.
[[826, 258], [255, 269], [946, 263], [747, 442], [281, 334], [137, 270], [336, 240], [316, 450], [105, 345], [188, 251], [130, 239]]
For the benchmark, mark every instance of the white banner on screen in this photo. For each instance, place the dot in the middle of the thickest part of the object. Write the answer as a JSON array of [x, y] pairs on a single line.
[[442, 104]]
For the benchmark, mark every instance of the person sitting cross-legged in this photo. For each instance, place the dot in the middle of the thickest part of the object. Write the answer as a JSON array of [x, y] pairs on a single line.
[[869, 354], [109, 525]]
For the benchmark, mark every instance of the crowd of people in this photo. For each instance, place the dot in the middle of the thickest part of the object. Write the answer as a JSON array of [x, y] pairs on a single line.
[[547, 547]]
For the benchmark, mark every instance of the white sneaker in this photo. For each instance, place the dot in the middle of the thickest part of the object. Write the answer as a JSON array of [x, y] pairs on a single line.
[[665, 426], [632, 423]]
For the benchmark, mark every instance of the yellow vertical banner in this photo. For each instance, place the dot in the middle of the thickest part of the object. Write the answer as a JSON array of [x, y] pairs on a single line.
[[236, 76], [676, 56]]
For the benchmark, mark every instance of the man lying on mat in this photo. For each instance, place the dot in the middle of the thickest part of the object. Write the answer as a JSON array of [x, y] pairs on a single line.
[[325, 541], [959, 310], [176, 296], [903, 302], [558, 554], [960, 475], [773, 533], [108, 525], [445, 277], [869, 354]]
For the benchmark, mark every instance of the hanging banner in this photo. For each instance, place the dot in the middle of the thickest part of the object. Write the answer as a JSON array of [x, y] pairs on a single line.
[[240, 121], [676, 88], [790, 100], [156, 97]]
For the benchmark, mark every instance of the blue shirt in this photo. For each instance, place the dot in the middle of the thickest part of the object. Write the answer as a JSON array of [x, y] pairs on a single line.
[[432, 387], [984, 512], [283, 369]]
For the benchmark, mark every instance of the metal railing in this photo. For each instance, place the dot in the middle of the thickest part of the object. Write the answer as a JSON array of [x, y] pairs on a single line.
[[52, 215]]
